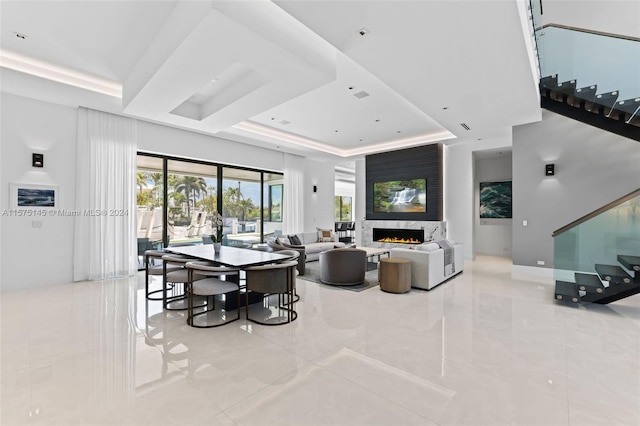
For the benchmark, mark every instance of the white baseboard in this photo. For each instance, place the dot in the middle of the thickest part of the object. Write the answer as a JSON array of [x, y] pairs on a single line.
[[532, 273]]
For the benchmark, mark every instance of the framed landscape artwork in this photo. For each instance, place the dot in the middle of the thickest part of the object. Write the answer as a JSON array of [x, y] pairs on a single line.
[[495, 200], [28, 195]]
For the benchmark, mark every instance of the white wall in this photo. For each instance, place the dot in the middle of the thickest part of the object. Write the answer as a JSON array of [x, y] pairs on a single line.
[[459, 188], [155, 138], [318, 208], [492, 237], [35, 256]]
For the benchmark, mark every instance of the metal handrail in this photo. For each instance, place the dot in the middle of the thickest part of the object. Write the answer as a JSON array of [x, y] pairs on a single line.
[[585, 30], [596, 212]]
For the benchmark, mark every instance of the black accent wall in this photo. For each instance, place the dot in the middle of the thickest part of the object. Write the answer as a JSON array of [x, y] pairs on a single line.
[[412, 163]]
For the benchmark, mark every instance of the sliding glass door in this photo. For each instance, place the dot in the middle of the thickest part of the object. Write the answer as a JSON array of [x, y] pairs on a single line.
[[192, 200], [272, 211], [178, 201], [150, 201]]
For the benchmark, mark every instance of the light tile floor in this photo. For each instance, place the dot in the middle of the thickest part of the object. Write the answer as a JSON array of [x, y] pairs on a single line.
[[481, 349]]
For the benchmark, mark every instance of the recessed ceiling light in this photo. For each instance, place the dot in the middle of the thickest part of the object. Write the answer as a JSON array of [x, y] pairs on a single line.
[[310, 143], [273, 118], [285, 122], [399, 131], [445, 107], [336, 131], [20, 35], [350, 87], [363, 32], [361, 94], [377, 120]]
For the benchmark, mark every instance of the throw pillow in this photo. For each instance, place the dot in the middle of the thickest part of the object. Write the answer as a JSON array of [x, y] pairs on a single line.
[[325, 235], [295, 240]]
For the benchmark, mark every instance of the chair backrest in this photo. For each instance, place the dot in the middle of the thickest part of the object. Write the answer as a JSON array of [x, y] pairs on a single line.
[[272, 278], [293, 254], [275, 245], [343, 265], [211, 270], [176, 259]]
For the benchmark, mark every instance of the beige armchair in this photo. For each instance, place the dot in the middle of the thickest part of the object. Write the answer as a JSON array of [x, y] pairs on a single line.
[[343, 266]]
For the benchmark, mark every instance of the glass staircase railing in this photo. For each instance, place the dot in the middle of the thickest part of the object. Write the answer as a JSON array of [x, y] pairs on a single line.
[[597, 257], [594, 71]]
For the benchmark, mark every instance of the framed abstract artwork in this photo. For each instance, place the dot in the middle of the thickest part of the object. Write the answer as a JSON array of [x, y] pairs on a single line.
[[495, 200]]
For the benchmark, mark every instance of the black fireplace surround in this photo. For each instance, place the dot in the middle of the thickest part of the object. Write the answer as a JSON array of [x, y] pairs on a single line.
[[399, 236]]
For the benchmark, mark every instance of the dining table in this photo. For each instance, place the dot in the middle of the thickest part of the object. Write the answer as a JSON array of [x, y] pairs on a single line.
[[229, 256], [233, 257]]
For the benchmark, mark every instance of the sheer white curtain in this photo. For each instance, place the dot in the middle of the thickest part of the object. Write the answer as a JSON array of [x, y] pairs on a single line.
[[105, 230], [293, 201]]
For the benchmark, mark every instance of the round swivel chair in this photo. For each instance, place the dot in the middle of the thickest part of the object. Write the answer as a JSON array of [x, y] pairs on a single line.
[[343, 266]]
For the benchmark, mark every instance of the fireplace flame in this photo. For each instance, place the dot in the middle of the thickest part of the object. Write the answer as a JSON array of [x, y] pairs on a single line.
[[399, 240]]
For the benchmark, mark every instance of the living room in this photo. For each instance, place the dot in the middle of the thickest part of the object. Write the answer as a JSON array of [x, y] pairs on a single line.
[[506, 286]]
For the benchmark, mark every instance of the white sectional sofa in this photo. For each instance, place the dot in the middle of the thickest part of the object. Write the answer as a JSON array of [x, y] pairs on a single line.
[[428, 263], [311, 245]]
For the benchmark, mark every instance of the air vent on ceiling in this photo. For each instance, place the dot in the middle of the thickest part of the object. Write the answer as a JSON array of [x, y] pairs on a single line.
[[464, 126], [361, 94], [285, 122]]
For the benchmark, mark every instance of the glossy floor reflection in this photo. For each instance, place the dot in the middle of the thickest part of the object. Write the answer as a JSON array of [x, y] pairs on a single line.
[[481, 349]]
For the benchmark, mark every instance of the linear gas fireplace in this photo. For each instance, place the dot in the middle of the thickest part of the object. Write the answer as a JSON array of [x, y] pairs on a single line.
[[398, 236]]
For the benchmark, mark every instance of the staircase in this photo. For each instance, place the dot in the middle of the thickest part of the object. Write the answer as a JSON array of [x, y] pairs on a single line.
[[597, 257], [602, 110], [608, 284]]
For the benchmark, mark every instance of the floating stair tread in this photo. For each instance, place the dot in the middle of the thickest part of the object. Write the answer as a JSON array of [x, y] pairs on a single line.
[[549, 82], [615, 273], [627, 105], [567, 291], [586, 93], [632, 263], [590, 283], [566, 87]]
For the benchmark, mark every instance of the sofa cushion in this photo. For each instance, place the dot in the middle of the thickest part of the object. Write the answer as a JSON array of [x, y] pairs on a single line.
[[295, 240], [308, 237], [284, 240], [428, 247]]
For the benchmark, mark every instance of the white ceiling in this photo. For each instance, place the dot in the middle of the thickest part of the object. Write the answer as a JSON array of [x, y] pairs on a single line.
[[282, 74]]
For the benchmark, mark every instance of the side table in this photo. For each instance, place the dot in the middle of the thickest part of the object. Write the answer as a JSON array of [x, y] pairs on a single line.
[[394, 275]]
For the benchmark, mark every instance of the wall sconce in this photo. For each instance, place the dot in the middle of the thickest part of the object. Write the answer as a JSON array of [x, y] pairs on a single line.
[[37, 160], [315, 188], [549, 169]]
